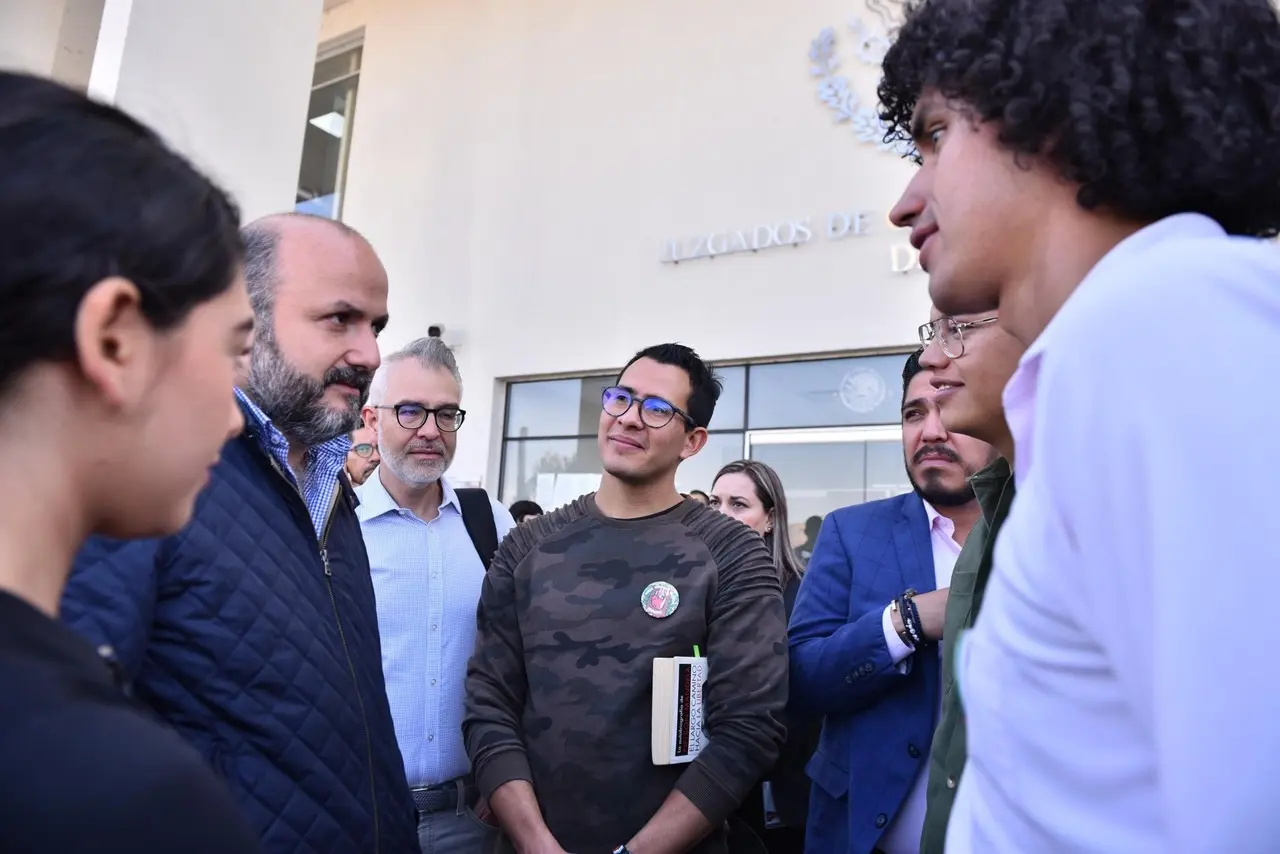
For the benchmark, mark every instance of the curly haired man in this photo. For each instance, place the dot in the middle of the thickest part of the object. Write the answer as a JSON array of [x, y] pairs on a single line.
[[1097, 170]]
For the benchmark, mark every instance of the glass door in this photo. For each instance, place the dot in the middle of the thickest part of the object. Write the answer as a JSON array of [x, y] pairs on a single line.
[[822, 470]]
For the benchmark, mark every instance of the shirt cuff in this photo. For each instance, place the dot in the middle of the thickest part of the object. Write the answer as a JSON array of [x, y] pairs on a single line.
[[707, 794], [897, 649], [500, 769]]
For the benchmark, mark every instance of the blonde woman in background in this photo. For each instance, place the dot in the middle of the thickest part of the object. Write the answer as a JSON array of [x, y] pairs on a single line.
[[772, 818]]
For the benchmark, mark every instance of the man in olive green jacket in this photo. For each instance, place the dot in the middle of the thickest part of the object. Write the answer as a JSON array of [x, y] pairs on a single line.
[[972, 359]]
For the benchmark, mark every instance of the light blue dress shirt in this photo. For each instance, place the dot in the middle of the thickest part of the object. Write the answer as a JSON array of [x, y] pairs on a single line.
[[427, 577]]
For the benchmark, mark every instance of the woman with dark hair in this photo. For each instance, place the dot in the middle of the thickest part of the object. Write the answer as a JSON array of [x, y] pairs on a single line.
[[773, 816], [124, 318]]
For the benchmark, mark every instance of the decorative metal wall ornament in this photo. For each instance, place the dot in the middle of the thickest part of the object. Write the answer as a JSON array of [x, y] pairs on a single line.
[[862, 390], [834, 89]]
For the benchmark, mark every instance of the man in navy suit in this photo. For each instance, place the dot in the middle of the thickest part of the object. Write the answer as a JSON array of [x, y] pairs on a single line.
[[857, 659]]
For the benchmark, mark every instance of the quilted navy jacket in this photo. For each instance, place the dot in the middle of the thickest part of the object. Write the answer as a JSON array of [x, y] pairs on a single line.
[[236, 635]]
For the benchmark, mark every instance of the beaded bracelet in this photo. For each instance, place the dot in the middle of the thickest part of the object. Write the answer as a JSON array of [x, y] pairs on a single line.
[[917, 627], [910, 619]]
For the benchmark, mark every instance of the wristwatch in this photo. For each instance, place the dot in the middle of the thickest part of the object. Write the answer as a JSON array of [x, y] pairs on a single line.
[[622, 849]]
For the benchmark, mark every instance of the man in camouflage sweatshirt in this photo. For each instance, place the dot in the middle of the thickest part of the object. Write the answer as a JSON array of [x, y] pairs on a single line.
[[575, 608]]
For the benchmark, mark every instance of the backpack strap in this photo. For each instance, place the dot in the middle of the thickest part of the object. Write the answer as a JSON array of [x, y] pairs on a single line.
[[477, 515]]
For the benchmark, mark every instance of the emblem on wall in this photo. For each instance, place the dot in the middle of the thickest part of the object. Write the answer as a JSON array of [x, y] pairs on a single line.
[[862, 390], [872, 35]]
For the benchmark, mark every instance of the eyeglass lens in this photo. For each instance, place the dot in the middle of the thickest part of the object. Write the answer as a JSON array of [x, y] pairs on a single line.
[[654, 411], [413, 415], [952, 338], [948, 334]]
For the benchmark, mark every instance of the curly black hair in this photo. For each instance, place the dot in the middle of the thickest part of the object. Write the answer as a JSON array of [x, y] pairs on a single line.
[[1151, 107]]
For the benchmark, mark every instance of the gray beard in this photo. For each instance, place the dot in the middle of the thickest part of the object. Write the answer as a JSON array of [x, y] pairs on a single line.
[[295, 402], [411, 472]]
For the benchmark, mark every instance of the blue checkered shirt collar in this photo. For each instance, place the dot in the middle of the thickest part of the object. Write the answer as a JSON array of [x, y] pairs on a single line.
[[324, 462]]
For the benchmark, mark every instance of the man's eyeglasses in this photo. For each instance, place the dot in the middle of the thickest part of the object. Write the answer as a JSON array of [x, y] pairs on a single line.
[[412, 416], [950, 334], [364, 449], [654, 411]]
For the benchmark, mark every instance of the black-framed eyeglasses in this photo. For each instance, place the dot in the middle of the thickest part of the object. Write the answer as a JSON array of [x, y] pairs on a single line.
[[654, 411], [412, 416], [364, 449], [950, 333]]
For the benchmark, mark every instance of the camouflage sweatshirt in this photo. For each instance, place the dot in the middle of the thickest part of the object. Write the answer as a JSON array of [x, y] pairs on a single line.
[[559, 688]]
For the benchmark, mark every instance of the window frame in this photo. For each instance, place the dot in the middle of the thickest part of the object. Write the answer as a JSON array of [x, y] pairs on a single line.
[[331, 49], [746, 431]]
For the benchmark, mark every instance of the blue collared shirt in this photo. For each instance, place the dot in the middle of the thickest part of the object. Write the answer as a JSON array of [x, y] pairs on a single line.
[[427, 578], [324, 463]]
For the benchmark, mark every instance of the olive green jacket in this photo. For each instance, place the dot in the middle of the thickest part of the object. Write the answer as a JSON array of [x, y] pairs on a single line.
[[993, 487]]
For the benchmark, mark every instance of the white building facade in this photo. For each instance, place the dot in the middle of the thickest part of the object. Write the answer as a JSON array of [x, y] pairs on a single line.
[[531, 173]]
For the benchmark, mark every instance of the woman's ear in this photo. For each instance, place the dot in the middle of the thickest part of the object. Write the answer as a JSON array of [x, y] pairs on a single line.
[[113, 342]]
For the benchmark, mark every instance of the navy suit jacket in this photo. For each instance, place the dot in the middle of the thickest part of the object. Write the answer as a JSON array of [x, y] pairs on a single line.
[[879, 721]]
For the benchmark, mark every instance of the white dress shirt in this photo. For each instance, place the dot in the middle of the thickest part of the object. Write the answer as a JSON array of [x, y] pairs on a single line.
[[427, 577], [1104, 711], [903, 836]]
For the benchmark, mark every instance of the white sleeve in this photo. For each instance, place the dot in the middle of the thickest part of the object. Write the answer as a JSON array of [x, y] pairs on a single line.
[[898, 649], [1156, 443]]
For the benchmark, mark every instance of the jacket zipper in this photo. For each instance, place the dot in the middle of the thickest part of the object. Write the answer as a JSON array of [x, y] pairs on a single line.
[[342, 636]]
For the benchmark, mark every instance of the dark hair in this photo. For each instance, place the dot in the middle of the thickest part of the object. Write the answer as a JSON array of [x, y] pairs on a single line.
[[87, 193], [525, 507], [909, 371], [1152, 109], [704, 382], [773, 498], [694, 492]]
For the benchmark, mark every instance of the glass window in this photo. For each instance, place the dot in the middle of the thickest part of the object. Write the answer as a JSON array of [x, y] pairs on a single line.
[[556, 407], [698, 471], [817, 478], [572, 407], [822, 476], [322, 175], [886, 471], [551, 472], [334, 67], [827, 393], [550, 453], [732, 405]]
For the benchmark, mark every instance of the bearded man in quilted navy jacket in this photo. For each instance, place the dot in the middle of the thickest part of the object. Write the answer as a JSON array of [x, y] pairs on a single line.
[[253, 632]]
